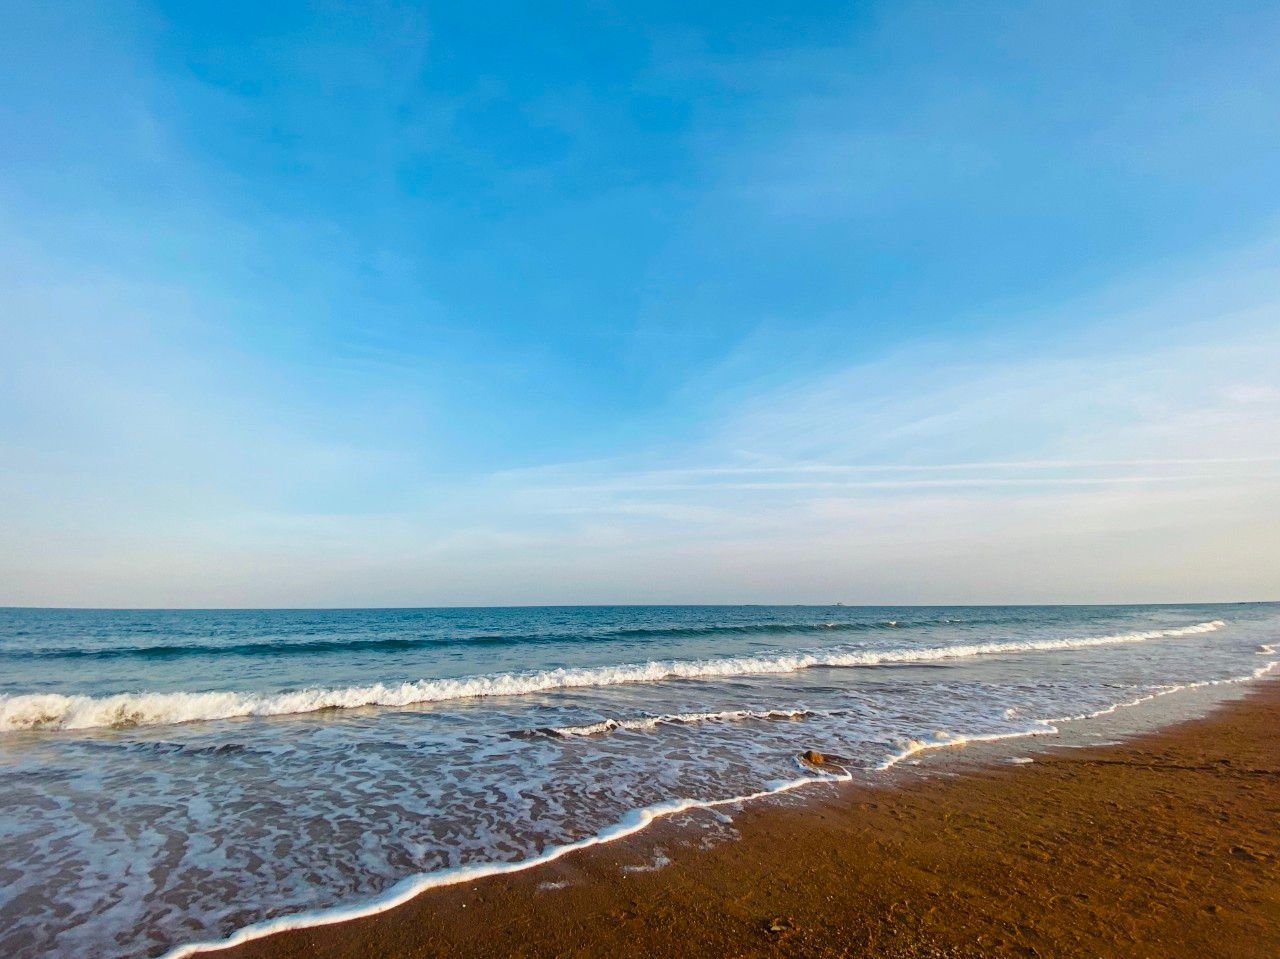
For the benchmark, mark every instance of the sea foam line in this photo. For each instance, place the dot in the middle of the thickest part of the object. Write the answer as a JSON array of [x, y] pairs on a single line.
[[56, 711], [634, 822], [1050, 727], [640, 723], [412, 886]]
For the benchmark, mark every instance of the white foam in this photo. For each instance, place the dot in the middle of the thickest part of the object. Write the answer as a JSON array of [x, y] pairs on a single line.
[[414, 885], [57, 711], [1266, 649], [659, 861], [649, 722], [945, 740], [1049, 727]]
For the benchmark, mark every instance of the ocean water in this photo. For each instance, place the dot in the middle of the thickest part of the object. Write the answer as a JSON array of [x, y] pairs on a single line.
[[170, 777]]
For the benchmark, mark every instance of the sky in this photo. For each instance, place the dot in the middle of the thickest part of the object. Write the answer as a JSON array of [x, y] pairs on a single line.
[[400, 304]]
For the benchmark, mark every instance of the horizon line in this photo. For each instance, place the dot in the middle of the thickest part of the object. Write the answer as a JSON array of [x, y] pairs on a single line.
[[358, 609]]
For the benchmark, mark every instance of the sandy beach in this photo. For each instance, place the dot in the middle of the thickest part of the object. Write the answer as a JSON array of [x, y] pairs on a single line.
[[1165, 845]]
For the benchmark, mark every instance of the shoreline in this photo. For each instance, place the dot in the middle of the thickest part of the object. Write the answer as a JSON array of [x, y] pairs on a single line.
[[568, 904]]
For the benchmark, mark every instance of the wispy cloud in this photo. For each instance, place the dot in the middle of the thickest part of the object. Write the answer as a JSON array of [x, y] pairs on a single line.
[[905, 484], [713, 478]]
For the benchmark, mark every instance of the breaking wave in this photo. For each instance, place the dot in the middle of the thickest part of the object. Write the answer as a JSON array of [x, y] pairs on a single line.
[[54, 711], [678, 719]]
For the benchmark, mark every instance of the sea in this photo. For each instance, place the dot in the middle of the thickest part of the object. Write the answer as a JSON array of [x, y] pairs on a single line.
[[171, 778]]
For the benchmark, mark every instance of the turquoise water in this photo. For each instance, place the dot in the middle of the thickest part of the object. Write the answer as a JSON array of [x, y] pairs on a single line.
[[170, 776]]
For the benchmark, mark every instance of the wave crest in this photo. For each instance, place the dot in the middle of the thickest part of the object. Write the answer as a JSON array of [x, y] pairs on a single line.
[[639, 723], [312, 647], [54, 711]]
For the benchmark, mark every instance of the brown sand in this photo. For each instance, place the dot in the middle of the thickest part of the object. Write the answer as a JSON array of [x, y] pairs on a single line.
[[1168, 846]]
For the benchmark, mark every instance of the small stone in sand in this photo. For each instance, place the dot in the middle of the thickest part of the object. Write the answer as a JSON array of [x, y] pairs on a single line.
[[813, 757]]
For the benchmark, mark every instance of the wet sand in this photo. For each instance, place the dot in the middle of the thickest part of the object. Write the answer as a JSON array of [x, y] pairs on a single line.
[[1167, 845]]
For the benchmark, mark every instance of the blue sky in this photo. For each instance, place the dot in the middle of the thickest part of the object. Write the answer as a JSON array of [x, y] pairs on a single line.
[[330, 304]]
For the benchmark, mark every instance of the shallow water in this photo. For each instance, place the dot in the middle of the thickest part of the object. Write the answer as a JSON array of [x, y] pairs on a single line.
[[174, 776]]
